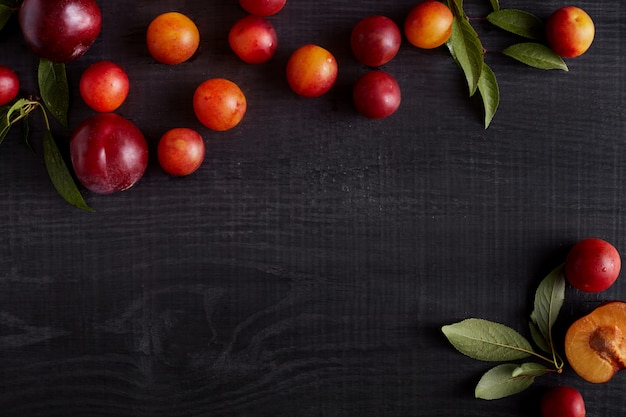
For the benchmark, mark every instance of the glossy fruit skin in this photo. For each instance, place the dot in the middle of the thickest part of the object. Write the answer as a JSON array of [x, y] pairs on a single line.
[[108, 153], [180, 151], [311, 71], [592, 265], [562, 401], [219, 104], [172, 38], [262, 7], [428, 24], [9, 85], [104, 86], [253, 39], [376, 95], [375, 40], [60, 30], [570, 31]]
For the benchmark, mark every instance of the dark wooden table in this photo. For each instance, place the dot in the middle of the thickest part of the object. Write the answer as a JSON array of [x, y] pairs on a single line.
[[306, 269]]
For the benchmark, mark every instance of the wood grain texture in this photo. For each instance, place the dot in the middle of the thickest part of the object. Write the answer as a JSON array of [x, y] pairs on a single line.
[[307, 267]]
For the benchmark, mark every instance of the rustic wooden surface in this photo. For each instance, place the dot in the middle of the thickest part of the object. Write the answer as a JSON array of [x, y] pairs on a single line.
[[307, 267]]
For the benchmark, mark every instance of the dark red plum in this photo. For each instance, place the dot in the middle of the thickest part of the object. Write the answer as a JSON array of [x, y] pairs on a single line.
[[592, 265], [376, 95], [563, 401], [375, 40], [60, 30], [109, 153]]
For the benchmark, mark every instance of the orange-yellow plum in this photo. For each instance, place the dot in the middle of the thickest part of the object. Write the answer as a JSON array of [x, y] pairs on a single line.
[[570, 31], [172, 38], [311, 71], [428, 24], [219, 104], [180, 151]]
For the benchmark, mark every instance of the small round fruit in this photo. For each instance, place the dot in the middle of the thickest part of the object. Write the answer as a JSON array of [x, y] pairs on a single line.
[[219, 104], [592, 265], [60, 30], [109, 153], [428, 24], [375, 40], [376, 95], [569, 31], [9, 85], [311, 71], [562, 401], [172, 38], [180, 151], [104, 86], [262, 7], [253, 39]]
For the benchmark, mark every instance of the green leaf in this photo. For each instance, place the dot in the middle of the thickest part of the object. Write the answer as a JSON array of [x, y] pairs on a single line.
[[456, 6], [486, 340], [495, 5], [549, 299], [537, 337], [499, 382], [5, 124], [530, 369], [60, 175], [26, 133], [519, 22], [467, 51], [11, 114], [5, 15], [489, 92], [54, 89], [21, 106], [535, 55]]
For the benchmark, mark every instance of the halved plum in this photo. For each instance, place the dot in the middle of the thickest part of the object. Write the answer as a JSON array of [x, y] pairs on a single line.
[[595, 345]]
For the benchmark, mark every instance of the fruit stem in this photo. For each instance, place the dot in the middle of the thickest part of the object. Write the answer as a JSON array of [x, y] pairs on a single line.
[[558, 361], [45, 116], [553, 361], [26, 109], [556, 358]]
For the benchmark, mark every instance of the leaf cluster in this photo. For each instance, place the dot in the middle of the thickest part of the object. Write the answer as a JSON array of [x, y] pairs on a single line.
[[494, 342], [467, 50], [54, 91]]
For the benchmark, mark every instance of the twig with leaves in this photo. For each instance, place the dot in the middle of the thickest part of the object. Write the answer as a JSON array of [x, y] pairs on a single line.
[[54, 91], [467, 50], [489, 341]]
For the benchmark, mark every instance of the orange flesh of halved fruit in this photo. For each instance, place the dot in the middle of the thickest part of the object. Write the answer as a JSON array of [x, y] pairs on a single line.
[[595, 345]]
